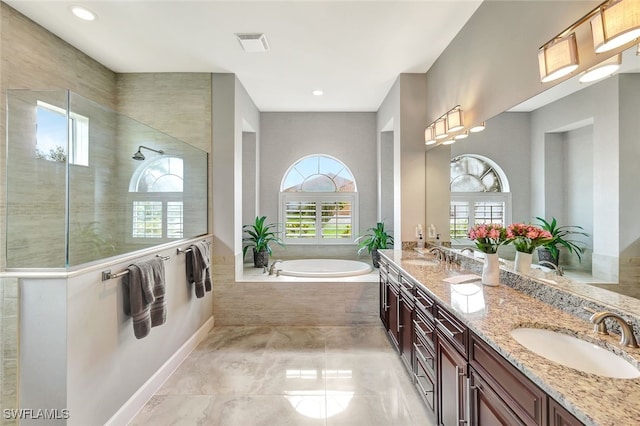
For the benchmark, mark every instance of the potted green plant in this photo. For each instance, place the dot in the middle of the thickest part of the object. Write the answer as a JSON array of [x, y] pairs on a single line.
[[560, 237], [260, 236], [374, 239]]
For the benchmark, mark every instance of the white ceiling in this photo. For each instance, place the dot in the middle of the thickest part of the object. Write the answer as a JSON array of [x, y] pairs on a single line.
[[352, 50]]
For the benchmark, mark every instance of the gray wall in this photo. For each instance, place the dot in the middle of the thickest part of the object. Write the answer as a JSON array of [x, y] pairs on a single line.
[[506, 141], [350, 137], [403, 112]]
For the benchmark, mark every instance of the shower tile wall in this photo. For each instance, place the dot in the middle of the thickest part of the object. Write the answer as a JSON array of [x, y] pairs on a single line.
[[33, 58], [8, 345]]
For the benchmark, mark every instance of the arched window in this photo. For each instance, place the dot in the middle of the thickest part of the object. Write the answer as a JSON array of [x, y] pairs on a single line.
[[318, 202], [479, 194], [156, 190]]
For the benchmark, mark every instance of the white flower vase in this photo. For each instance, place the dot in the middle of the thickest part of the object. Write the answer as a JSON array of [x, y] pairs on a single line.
[[491, 269], [522, 264]]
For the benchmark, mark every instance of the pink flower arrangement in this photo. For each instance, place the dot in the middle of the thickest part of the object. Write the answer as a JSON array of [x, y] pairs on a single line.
[[488, 236], [527, 237]]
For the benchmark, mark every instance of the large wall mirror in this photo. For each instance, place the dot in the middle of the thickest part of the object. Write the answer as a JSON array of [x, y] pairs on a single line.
[[573, 153]]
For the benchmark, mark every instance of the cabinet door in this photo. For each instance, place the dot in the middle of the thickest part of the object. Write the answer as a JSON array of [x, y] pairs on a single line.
[[558, 416], [486, 407], [393, 299], [406, 330], [384, 307], [451, 381]]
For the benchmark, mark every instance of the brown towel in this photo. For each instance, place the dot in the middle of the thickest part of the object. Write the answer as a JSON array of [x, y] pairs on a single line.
[[143, 295], [198, 268]]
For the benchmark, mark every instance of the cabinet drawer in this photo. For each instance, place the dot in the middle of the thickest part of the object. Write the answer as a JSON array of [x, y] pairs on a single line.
[[424, 302], [425, 356], [424, 329], [452, 330], [425, 385], [526, 400]]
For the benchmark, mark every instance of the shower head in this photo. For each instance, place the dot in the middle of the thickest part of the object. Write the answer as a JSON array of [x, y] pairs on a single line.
[[139, 156]]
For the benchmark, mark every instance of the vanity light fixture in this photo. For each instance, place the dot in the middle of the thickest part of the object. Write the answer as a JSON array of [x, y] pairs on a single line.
[[83, 13], [617, 22], [440, 128], [454, 119], [449, 141], [429, 136], [477, 128], [558, 58], [602, 70], [462, 135]]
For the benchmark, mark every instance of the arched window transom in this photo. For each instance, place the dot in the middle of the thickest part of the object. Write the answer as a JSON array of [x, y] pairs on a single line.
[[318, 202]]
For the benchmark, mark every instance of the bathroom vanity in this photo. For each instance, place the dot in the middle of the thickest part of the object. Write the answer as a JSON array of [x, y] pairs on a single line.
[[454, 337]]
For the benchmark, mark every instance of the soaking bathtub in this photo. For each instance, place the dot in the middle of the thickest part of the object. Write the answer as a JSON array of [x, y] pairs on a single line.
[[322, 268]]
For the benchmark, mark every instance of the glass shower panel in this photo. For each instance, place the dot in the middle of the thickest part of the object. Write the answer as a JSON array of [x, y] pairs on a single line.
[[86, 183], [36, 178]]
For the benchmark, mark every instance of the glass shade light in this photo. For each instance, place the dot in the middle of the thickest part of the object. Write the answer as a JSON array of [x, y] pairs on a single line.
[[440, 127], [477, 128], [429, 137], [617, 23], [448, 141], [602, 70], [454, 119], [462, 135], [558, 58]]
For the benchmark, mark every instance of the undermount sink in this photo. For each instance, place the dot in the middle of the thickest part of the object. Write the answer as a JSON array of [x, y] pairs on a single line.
[[573, 352]]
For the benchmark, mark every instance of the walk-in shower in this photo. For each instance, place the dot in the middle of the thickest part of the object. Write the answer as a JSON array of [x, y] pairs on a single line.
[[74, 195]]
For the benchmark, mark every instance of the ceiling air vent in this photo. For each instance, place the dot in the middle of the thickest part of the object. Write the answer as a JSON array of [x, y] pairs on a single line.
[[253, 42]]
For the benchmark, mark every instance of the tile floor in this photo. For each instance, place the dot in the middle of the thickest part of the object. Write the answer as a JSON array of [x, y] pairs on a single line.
[[280, 375]]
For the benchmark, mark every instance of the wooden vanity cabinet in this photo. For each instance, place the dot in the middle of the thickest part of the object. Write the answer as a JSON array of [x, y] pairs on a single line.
[[406, 308], [384, 282], [451, 368], [424, 358], [451, 383], [524, 399], [486, 408], [558, 416]]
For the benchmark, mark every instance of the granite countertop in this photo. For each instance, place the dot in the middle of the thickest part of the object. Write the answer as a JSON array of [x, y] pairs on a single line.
[[593, 399]]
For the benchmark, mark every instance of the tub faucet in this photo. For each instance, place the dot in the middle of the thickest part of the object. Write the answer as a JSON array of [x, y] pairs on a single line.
[[626, 328], [272, 268], [557, 269]]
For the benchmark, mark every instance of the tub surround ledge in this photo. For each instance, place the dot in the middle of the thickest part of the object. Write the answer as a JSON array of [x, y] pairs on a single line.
[[528, 301]]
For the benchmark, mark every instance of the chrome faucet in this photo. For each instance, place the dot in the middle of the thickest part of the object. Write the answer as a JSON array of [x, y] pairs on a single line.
[[556, 268], [469, 249], [627, 338], [272, 268], [440, 253]]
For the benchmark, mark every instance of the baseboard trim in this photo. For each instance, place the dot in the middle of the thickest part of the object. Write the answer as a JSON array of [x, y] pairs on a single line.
[[129, 409]]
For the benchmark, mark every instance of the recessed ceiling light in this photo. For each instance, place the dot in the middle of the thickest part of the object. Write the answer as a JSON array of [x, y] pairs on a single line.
[[317, 92], [83, 13]]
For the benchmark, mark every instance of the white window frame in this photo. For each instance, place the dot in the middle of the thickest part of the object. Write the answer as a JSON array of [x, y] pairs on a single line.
[[78, 145], [319, 198], [472, 198]]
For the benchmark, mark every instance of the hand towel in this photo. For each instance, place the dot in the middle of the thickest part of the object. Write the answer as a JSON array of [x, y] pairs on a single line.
[[158, 310], [198, 268], [137, 297]]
